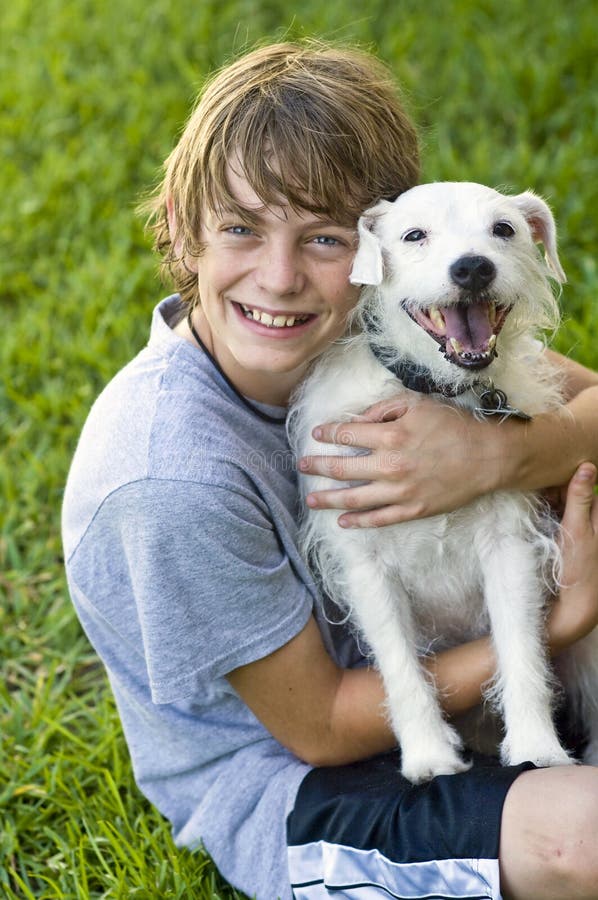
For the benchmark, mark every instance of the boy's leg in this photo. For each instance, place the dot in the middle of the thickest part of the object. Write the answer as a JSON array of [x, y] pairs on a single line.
[[549, 835], [364, 831]]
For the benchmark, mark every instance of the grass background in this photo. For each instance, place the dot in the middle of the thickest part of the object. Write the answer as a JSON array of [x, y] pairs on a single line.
[[92, 96]]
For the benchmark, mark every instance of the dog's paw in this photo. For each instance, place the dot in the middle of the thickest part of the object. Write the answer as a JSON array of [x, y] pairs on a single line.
[[543, 753], [425, 764], [425, 769]]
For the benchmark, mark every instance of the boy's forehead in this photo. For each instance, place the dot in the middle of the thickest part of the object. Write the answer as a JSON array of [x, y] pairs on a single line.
[[245, 195], [246, 198], [242, 191]]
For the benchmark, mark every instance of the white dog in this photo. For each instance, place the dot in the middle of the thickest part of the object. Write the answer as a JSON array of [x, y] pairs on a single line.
[[453, 268]]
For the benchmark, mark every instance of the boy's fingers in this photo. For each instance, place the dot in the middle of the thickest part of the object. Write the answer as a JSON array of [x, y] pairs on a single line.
[[584, 479], [386, 410], [581, 500]]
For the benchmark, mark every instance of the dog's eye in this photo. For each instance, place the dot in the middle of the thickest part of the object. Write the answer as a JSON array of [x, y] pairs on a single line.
[[414, 235], [503, 230]]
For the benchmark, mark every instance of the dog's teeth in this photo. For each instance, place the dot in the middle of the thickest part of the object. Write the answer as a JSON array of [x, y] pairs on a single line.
[[456, 345], [436, 318], [492, 342]]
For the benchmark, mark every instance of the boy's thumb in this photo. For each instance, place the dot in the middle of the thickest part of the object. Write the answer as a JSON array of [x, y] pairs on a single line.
[[581, 505], [581, 486]]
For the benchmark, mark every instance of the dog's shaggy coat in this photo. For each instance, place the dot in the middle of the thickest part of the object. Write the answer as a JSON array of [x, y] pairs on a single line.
[[449, 267]]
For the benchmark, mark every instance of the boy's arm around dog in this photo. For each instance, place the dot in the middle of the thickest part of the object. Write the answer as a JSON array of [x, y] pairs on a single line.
[[428, 457]]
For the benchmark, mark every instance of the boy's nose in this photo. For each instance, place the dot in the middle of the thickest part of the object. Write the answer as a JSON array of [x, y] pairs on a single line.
[[279, 271]]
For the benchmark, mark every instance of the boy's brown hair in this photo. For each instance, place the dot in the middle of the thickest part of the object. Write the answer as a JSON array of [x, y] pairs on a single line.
[[322, 126]]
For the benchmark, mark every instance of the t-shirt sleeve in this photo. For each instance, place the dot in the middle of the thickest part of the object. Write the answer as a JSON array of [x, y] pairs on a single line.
[[212, 584]]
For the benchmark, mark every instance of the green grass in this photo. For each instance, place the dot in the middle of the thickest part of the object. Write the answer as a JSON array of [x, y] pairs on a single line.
[[92, 98]]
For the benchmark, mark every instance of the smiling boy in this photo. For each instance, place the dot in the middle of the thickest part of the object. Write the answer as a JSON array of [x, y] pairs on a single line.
[[279, 255], [243, 704]]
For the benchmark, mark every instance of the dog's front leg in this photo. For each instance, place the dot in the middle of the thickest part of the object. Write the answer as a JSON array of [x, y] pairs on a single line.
[[381, 609], [513, 593]]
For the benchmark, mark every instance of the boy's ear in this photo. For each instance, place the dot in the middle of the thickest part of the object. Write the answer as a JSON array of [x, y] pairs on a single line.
[[368, 264], [541, 222], [171, 216], [175, 240]]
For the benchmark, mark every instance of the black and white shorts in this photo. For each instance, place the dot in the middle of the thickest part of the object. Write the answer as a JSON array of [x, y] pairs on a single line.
[[363, 831]]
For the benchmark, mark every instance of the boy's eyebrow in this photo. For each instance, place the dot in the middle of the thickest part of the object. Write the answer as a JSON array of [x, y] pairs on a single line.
[[256, 213], [325, 221], [237, 210]]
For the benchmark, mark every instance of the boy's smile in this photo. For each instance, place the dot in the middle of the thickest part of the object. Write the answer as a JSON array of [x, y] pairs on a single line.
[[273, 319], [274, 291]]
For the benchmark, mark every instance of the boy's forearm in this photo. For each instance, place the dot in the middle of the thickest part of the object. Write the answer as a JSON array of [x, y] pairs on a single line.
[[546, 451], [576, 377], [460, 673], [360, 722]]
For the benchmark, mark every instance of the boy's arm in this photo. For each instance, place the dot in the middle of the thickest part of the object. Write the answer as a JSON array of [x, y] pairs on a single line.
[[331, 716], [577, 377], [428, 457]]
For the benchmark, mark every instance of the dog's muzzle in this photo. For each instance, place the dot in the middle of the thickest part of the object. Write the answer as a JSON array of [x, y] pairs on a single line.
[[467, 330]]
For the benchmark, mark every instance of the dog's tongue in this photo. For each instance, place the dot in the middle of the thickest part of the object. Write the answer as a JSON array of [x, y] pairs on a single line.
[[470, 324]]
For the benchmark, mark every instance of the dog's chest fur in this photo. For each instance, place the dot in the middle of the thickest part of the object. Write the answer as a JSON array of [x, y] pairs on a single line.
[[437, 566]]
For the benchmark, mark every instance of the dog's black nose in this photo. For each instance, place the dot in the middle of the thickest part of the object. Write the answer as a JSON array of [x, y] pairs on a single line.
[[474, 273]]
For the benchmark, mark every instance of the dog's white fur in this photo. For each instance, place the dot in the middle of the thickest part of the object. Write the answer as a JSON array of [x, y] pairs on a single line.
[[431, 583]]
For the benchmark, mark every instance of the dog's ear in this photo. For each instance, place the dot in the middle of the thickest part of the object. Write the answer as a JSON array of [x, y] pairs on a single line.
[[368, 265], [539, 218]]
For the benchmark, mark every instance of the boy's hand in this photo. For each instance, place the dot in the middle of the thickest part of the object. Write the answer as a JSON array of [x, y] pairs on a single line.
[[425, 458], [575, 611]]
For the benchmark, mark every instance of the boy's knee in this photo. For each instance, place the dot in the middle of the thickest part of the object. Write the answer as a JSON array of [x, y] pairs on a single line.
[[572, 859], [579, 857], [549, 839]]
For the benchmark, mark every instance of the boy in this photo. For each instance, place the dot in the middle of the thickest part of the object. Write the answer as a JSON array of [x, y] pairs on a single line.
[[241, 703]]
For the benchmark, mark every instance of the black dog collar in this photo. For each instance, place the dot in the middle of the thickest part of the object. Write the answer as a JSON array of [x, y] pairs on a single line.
[[492, 401]]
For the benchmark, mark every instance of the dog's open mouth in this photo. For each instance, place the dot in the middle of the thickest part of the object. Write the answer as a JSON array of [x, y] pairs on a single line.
[[466, 331]]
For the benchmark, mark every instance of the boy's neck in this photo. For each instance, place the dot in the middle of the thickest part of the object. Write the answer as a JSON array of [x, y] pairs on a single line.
[[263, 387]]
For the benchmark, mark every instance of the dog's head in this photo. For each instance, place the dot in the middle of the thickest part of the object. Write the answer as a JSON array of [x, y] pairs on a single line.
[[454, 261]]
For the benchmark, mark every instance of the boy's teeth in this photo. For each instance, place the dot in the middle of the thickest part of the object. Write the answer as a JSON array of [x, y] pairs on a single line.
[[272, 321]]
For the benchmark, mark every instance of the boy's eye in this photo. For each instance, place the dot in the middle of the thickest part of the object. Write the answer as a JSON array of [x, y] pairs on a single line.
[[238, 229], [326, 240]]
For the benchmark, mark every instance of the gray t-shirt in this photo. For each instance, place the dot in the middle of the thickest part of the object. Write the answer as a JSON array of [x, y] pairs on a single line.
[[180, 545]]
